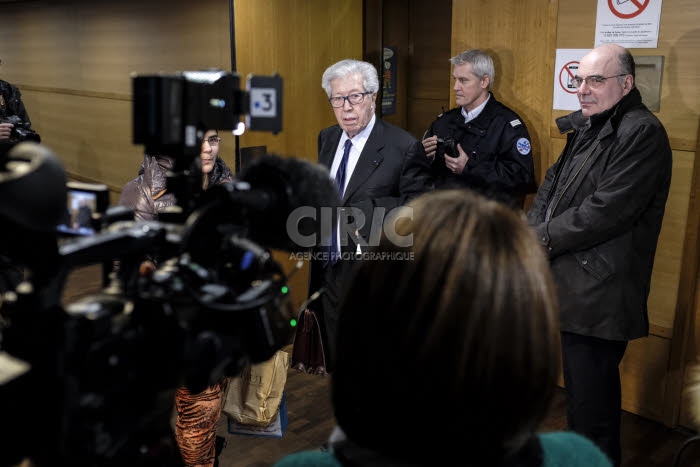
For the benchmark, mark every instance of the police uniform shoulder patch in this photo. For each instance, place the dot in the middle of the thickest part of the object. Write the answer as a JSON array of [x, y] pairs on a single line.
[[523, 146], [515, 123]]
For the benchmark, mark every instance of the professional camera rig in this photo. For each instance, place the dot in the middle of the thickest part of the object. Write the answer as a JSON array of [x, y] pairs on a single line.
[[93, 383]]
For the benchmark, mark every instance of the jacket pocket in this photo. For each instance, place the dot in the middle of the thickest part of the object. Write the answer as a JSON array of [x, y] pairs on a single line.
[[594, 263]]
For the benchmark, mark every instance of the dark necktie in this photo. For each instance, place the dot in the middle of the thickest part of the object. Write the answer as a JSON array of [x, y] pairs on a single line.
[[340, 174], [340, 181]]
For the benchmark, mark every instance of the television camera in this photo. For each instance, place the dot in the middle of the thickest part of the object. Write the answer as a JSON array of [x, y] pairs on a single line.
[[92, 383]]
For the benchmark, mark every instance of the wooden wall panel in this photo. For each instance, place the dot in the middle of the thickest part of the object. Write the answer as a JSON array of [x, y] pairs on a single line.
[[430, 79], [372, 29], [669, 252], [307, 37], [645, 385], [689, 409], [94, 46], [420, 30], [686, 358], [73, 62], [520, 36], [679, 38], [91, 135], [431, 70]]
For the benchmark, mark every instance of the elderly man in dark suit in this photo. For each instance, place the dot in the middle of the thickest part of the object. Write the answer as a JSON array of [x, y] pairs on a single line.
[[377, 166]]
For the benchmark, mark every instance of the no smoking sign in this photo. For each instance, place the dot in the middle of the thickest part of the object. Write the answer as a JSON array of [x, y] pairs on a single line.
[[627, 9], [566, 75]]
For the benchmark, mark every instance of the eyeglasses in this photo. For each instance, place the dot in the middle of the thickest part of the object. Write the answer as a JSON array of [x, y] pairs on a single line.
[[354, 99], [212, 140], [593, 81]]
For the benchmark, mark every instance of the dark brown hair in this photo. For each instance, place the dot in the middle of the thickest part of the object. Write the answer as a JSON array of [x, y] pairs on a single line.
[[456, 351]]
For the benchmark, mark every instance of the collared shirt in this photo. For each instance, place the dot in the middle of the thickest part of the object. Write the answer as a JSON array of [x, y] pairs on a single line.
[[472, 114], [358, 143]]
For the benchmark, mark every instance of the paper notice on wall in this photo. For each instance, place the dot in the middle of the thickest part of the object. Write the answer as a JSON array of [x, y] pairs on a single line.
[[629, 23], [389, 81], [565, 68]]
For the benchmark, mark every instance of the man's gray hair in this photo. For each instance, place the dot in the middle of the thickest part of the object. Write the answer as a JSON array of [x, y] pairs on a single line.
[[481, 62], [349, 67], [627, 65]]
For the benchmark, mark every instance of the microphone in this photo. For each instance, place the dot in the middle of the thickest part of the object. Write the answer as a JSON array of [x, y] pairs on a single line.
[[289, 184], [270, 190]]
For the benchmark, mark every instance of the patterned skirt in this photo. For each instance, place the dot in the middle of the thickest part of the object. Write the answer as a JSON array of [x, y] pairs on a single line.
[[197, 418]]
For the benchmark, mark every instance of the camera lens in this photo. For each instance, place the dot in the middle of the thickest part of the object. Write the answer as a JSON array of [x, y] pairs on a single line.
[[20, 134]]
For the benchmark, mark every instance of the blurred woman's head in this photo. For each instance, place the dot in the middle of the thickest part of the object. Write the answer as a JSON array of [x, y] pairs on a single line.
[[455, 350]]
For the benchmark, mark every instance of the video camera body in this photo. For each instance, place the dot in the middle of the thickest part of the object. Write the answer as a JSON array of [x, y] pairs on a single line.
[[98, 376], [447, 147], [21, 130]]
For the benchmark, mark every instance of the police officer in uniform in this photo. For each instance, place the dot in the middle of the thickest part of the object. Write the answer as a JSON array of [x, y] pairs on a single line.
[[482, 144]]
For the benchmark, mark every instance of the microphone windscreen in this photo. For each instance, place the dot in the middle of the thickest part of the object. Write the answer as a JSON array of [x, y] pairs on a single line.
[[298, 190], [300, 182], [32, 189]]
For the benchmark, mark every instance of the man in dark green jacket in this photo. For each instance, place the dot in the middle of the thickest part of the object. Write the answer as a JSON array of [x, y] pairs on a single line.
[[598, 214]]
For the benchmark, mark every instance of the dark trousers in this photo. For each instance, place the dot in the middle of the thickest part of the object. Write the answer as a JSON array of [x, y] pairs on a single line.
[[593, 395], [333, 278]]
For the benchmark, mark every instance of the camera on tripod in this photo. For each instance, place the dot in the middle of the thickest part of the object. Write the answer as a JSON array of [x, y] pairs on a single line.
[[99, 375]]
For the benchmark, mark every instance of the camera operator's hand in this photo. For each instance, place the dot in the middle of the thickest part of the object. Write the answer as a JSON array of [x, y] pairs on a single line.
[[457, 164], [5, 130], [430, 145], [146, 268]]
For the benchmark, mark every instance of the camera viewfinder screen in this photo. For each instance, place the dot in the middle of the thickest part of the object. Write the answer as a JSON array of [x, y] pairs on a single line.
[[77, 219]]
